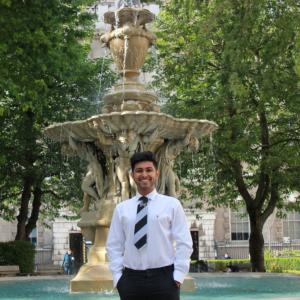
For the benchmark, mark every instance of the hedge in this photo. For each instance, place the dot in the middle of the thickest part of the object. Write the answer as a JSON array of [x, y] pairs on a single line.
[[221, 265], [19, 253], [275, 265], [281, 264]]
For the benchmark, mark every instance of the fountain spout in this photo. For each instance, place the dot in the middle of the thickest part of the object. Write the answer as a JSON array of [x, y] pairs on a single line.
[[129, 41]]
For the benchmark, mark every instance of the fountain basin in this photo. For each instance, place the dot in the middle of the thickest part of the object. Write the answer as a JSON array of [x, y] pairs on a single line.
[[141, 122], [209, 287]]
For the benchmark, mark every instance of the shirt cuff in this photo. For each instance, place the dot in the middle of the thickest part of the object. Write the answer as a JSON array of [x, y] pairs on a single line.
[[116, 278], [179, 276]]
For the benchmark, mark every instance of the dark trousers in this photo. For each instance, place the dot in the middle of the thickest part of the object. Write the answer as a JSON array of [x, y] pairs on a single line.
[[152, 284]]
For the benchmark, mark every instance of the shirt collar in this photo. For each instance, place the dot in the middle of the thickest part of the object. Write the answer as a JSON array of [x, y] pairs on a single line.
[[150, 196]]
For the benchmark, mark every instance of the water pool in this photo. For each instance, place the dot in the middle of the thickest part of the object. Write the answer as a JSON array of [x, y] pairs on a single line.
[[209, 287]]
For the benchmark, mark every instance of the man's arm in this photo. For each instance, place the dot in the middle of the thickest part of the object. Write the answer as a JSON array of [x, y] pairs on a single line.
[[115, 247], [184, 244]]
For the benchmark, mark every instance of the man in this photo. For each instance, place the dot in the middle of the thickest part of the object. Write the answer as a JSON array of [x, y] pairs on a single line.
[[140, 245], [67, 262]]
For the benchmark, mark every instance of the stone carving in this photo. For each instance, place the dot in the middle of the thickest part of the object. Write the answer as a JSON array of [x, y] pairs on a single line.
[[168, 181], [93, 181], [151, 141], [127, 144], [105, 142]]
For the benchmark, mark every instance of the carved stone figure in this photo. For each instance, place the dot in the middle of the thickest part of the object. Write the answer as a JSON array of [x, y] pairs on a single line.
[[93, 182], [127, 143], [151, 141], [105, 143], [86, 202], [168, 182]]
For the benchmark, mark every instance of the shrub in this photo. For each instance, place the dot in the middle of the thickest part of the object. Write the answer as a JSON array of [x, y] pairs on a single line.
[[19, 253], [280, 264], [221, 265], [272, 264]]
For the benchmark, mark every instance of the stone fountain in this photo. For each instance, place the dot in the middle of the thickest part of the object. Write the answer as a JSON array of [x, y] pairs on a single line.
[[130, 121]]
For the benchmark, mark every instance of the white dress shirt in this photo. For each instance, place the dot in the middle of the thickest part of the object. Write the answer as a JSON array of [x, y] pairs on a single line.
[[168, 237]]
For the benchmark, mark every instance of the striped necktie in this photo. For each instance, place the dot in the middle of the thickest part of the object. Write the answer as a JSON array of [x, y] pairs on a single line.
[[140, 228]]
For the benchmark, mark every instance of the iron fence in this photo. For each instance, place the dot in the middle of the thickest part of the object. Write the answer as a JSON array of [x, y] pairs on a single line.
[[241, 250], [43, 257]]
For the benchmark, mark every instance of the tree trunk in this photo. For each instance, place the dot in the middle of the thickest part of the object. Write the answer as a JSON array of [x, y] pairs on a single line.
[[256, 244], [36, 204], [23, 213], [29, 177]]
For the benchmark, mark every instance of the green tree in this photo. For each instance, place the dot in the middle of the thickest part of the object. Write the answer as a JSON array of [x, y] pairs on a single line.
[[45, 77], [238, 63]]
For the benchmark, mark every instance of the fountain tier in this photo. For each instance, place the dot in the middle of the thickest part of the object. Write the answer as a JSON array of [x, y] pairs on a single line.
[[141, 122]]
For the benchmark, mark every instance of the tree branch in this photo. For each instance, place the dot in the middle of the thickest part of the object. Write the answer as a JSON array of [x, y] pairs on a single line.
[[264, 179], [8, 196], [242, 188], [52, 193], [274, 197], [285, 141]]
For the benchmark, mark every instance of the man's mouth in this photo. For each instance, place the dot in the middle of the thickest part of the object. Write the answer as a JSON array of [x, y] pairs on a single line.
[[144, 181]]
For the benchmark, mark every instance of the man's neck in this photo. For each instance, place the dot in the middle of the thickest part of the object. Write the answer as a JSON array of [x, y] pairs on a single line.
[[146, 192]]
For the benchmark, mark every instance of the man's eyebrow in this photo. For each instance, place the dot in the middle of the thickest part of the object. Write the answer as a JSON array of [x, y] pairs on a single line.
[[147, 168]]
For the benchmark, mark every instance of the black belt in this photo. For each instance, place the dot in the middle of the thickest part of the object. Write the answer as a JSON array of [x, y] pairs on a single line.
[[150, 271]]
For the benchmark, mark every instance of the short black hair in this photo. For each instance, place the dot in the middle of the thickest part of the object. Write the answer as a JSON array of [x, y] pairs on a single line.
[[142, 156]]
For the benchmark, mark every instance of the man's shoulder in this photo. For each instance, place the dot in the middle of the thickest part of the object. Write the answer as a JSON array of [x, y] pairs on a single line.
[[125, 203], [170, 199]]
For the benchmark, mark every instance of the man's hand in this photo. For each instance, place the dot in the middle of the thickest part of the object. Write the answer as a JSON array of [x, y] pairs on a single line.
[[178, 283]]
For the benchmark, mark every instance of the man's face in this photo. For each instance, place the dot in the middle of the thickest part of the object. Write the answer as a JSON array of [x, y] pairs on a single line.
[[145, 175]]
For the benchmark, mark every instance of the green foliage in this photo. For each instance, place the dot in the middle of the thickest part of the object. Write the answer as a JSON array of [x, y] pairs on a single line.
[[19, 253], [234, 63], [285, 252], [237, 63], [295, 272], [221, 265], [274, 265], [282, 264], [45, 77]]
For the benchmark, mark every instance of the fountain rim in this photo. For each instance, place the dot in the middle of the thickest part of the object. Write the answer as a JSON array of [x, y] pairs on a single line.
[[138, 112], [114, 122]]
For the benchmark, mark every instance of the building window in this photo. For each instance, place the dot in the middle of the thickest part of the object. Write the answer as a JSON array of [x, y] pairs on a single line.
[[239, 225], [33, 237], [291, 226]]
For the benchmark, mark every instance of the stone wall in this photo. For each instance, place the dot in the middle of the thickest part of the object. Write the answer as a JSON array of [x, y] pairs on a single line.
[[8, 230], [61, 230], [205, 222]]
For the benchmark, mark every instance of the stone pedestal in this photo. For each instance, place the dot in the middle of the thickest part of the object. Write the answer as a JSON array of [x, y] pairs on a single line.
[[188, 284], [91, 278], [94, 276]]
